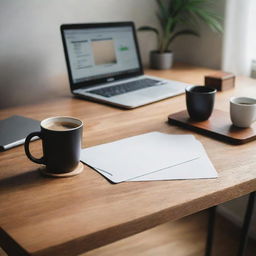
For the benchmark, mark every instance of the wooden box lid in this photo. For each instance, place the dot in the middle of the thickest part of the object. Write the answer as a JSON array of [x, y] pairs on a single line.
[[221, 75]]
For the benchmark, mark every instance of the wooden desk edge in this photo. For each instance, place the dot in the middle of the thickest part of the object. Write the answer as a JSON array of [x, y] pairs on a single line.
[[110, 235], [10, 246]]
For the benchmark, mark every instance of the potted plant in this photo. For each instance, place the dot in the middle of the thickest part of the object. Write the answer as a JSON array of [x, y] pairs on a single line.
[[173, 16]]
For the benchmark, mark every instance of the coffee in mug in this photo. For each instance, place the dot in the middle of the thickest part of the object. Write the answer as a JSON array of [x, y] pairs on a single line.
[[60, 126], [61, 141], [242, 111]]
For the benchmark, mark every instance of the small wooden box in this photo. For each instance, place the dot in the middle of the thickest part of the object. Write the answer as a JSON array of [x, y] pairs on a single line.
[[221, 81]]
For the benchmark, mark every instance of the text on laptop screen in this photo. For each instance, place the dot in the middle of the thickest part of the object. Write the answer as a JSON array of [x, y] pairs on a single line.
[[96, 53]]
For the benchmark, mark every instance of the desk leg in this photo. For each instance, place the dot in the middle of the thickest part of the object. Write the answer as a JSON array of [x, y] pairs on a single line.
[[211, 222], [246, 224]]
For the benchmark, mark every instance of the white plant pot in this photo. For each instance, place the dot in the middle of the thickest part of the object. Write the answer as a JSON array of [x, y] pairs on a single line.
[[161, 60]]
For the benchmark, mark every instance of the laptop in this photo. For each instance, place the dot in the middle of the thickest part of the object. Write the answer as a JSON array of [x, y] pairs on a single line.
[[104, 65]]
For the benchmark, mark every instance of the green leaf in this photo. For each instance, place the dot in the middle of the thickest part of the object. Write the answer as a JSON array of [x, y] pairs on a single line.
[[163, 10], [148, 28], [161, 20], [169, 26], [177, 6], [162, 14], [209, 18]]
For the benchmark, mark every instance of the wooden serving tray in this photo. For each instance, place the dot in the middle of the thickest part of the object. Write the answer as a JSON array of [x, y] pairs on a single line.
[[218, 126]]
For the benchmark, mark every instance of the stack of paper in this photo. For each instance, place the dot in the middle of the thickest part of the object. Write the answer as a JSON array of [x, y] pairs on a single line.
[[150, 156]]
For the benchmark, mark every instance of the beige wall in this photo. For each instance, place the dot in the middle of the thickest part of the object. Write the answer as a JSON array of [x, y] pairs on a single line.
[[32, 65]]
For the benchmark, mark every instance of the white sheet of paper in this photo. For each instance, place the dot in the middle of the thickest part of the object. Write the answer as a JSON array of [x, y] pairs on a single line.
[[200, 168], [135, 156]]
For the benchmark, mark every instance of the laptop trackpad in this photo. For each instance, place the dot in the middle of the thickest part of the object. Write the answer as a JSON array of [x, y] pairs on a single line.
[[160, 91], [147, 95]]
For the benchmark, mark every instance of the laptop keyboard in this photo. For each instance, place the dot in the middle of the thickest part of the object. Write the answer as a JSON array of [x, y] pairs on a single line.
[[125, 87]]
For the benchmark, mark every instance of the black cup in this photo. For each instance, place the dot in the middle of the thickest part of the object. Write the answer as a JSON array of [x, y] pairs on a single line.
[[61, 141], [200, 102]]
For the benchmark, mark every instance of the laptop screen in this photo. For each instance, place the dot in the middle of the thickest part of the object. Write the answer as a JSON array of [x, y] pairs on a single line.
[[101, 52]]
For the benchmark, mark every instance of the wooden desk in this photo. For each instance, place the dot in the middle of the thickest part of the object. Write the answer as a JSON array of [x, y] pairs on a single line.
[[46, 216]]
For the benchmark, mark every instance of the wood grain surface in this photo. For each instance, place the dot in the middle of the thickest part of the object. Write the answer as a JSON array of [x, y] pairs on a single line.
[[218, 126], [48, 216]]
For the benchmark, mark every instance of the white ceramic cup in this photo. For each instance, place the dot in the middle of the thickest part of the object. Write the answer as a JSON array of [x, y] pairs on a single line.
[[242, 111]]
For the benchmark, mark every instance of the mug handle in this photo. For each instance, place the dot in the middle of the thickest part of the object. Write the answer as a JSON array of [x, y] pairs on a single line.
[[26, 146]]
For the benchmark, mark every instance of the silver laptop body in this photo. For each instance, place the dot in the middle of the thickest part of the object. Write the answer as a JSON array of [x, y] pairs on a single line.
[[104, 65]]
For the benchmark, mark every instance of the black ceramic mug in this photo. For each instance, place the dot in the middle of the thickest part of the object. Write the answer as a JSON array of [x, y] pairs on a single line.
[[61, 141], [200, 102]]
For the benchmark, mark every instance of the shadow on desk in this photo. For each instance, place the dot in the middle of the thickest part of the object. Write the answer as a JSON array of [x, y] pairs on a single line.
[[27, 179]]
